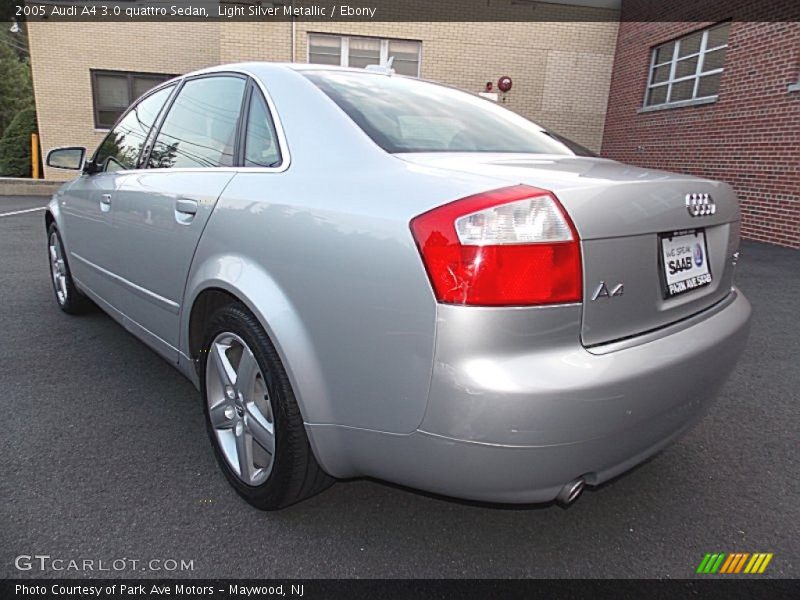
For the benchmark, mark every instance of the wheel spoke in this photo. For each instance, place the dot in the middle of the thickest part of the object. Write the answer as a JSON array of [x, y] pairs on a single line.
[[53, 254], [262, 432], [244, 454], [246, 373], [224, 368]]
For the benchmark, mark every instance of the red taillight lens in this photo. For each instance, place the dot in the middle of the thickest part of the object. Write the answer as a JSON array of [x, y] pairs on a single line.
[[514, 246]]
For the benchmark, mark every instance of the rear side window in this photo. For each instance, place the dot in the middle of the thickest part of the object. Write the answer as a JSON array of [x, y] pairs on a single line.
[[120, 150], [261, 141], [199, 130], [407, 115]]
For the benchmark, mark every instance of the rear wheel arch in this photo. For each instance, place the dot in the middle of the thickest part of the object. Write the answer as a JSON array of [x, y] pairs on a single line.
[[285, 333], [204, 305], [264, 299]]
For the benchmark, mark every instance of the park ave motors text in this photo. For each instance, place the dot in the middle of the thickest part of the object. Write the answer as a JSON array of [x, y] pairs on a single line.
[[188, 590]]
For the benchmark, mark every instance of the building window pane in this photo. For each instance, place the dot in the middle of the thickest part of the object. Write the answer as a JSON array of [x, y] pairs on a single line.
[[324, 49], [682, 90], [708, 86], [718, 36], [360, 52], [661, 74], [406, 57], [714, 60], [690, 66], [114, 91], [691, 44], [657, 95], [199, 130], [687, 66], [363, 52], [664, 53]]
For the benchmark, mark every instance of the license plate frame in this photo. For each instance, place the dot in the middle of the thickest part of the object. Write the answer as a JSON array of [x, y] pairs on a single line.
[[673, 286]]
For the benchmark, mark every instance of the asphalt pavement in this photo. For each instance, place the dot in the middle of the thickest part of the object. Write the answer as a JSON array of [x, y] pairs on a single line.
[[104, 456]]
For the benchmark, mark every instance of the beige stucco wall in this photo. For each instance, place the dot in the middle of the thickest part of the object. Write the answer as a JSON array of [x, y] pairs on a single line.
[[561, 70]]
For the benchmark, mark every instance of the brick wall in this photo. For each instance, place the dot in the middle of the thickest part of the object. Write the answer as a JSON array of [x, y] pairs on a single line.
[[750, 137], [561, 70]]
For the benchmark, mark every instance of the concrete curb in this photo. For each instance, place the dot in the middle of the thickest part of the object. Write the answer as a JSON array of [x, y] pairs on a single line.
[[13, 186]]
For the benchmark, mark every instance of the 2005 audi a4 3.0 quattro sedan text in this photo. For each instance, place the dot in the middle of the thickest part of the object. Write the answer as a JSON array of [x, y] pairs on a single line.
[[372, 275]]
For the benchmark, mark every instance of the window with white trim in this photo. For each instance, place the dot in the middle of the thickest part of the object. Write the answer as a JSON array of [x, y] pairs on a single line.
[[687, 69], [359, 52]]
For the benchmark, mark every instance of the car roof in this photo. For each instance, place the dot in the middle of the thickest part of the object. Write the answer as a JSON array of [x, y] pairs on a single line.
[[264, 66]]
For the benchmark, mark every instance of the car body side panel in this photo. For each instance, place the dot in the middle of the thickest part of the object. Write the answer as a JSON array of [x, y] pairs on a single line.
[[331, 239], [155, 243], [86, 226], [343, 290]]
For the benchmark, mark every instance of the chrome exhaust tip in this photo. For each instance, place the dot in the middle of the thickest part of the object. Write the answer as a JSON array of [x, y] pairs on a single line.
[[570, 492]]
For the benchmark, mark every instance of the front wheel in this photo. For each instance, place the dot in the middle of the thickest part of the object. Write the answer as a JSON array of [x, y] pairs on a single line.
[[252, 416], [69, 299]]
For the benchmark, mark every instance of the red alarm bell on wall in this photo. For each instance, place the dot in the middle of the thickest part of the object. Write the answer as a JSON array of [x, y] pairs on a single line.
[[504, 83]]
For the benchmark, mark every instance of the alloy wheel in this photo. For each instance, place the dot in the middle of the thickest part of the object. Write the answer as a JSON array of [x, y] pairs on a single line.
[[240, 409], [58, 268]]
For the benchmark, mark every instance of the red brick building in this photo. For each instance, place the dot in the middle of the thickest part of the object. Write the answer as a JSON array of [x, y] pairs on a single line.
[[718, 99]]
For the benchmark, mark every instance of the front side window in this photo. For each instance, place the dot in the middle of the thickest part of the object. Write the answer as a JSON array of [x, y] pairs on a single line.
[[401, 114], [359, 52], [120, 150], [688, 68], [199, 130], [113, 92], [261, 141]]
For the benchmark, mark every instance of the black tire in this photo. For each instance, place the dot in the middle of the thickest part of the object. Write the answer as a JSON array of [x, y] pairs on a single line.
[[73, 302], [295, 473]]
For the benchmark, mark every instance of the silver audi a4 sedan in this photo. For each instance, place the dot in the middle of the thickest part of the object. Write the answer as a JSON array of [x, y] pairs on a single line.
[[371, 275]]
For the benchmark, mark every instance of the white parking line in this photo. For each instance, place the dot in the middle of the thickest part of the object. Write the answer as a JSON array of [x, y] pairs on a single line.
[[22, 212]]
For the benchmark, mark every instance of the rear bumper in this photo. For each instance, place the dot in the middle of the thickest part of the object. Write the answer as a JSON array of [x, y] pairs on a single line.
[[509, 424]]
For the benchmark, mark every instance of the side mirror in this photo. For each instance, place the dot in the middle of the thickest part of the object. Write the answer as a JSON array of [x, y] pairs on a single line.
[[71, 158]]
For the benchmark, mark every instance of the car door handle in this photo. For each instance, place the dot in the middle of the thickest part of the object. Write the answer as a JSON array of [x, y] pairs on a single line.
[[185, 210], [186, 206], [105, 202]]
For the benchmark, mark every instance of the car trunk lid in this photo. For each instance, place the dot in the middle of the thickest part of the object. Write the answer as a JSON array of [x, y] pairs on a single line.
[[635, 227]]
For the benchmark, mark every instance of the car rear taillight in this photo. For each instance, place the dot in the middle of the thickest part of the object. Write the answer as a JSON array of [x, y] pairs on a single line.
[[513, 246]]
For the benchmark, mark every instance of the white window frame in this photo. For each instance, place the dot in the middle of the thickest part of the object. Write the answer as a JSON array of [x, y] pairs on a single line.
[[344, 48], [671, 80]]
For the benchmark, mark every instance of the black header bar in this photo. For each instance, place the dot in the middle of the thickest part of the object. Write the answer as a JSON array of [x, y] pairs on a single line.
[[401, 10]]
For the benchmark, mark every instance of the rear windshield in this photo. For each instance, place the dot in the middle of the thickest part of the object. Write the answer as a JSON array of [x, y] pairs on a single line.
[[408, 115]]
